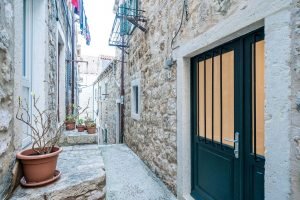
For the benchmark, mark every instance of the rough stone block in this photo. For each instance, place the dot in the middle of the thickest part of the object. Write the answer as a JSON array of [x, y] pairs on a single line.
[[83, 177], [76, 138], [5, 118]]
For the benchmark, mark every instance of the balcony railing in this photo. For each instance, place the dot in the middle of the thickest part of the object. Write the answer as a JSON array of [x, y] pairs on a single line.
[[126, 20]]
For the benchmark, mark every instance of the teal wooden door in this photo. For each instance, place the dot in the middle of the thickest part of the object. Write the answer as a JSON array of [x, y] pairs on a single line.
[[224, 116]]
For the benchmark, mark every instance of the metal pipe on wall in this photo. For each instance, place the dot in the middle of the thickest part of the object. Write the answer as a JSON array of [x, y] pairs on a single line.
[[122, 93], [73, 64]]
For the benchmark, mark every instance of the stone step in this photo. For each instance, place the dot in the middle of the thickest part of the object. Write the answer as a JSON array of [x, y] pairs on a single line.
[[70, 138], [83, 177]]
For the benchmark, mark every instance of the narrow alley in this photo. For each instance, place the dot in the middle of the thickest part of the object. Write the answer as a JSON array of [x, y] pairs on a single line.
[[129, 178], [149, 100]]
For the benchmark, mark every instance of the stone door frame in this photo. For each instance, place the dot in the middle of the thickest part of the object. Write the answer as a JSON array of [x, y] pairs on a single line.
[[276, 21]]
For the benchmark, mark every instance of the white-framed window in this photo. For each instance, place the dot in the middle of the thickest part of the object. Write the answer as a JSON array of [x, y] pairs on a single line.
[[135, 99], [27, 64]]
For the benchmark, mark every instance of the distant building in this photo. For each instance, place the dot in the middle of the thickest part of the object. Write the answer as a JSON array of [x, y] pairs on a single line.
[[89, 68], [106, 103]]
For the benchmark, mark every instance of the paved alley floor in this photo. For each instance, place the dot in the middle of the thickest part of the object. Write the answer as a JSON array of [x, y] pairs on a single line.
[[128, 178]]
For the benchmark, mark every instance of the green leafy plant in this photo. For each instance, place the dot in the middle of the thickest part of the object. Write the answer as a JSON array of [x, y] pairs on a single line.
[[80, 122], [88, 119], [91, 124], [70, 118]]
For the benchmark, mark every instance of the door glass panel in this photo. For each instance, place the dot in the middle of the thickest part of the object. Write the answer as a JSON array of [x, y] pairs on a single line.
[[201, 124], [210, 81], [217, 100], [208, 96], [228, 98], [258, 98]]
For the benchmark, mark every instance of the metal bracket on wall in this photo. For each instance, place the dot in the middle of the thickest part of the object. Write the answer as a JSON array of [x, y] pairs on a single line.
[[122, 100]]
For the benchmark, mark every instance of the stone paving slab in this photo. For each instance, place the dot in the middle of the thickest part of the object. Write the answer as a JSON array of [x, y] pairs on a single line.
[[76, 138], [128, 178], [83, 177]]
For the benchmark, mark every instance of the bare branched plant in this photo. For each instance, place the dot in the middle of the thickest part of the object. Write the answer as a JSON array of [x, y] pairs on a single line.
[[44, 137]]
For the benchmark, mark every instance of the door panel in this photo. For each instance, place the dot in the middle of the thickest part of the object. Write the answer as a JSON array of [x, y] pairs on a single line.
[[209, 175], [208, 98], [259, 96], [227, 85], [254, 116], [228, 98], [201, 113], [217, 170], [217, 99]]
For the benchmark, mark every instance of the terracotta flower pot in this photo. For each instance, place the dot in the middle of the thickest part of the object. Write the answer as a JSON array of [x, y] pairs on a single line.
[[80, 128], [91, 130], [70, 126], [87, 122], [38, 168]]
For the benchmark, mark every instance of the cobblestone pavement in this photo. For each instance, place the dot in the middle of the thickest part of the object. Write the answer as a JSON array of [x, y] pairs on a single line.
[[128, 178]]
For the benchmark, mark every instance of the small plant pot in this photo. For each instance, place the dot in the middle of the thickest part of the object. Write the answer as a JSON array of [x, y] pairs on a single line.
[[38, 168], [80, 128], [91, 130], [86, 124], [70, 126]]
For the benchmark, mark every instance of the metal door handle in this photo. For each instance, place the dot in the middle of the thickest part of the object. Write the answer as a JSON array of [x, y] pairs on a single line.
[[230, 140], [236, 144]]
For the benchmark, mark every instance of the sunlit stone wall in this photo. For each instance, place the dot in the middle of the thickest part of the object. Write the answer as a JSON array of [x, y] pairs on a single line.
[[153, 136]]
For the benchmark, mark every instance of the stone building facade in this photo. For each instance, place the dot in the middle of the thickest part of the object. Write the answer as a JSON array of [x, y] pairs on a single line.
[[107, 103], [161, 135], [35, 42]]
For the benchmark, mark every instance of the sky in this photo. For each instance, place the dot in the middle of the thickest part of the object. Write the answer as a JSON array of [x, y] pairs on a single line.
[[100, 19]]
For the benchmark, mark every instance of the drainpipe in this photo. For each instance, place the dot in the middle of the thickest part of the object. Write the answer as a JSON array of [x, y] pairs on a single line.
[[122, 93], [73, 64], [93, 100]]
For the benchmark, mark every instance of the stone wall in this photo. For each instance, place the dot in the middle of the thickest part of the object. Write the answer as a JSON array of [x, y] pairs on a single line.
[[153, 137], [57, 15], [295, 132], [106, 105], [8, 139], [11, 61], [52, 56]]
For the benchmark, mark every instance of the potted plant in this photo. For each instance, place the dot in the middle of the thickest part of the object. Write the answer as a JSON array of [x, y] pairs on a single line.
[[91, 127], [87, 120], [80, 125], [39, 162], [70, 122]]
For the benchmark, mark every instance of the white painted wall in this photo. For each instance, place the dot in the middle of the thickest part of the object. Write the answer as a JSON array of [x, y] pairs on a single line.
[[87, 76]]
